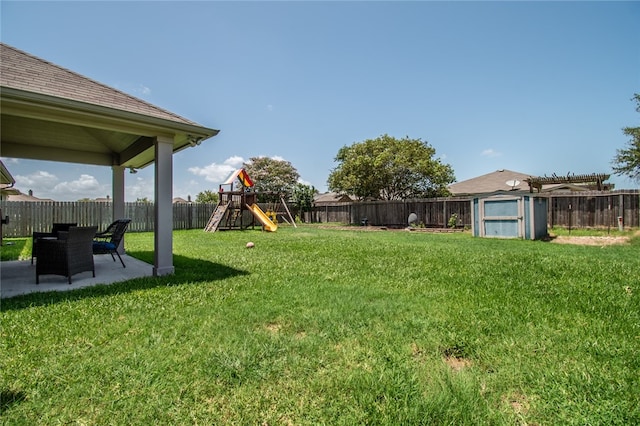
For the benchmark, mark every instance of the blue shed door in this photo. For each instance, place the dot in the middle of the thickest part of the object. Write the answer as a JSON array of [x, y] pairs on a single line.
[[502, 218]]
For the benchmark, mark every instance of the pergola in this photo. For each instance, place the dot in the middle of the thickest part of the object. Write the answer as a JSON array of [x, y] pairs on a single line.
[[54, 114], [595, 180]]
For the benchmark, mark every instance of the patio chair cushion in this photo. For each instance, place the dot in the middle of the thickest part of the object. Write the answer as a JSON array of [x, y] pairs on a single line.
[[103, 246], [109, 240]]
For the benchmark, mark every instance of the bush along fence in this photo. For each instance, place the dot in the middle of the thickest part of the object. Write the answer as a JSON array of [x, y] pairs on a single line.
[[576, 210]]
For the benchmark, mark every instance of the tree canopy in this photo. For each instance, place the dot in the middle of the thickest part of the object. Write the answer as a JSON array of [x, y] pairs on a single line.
[[302, 196], [207, 196], [390, 169], [271, 175], [627, 160]]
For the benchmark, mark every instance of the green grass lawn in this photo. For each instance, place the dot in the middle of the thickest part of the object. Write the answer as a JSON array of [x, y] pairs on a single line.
[[317, 326]]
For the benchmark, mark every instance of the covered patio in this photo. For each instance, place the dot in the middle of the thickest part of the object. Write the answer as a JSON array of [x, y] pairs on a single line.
[[18, 276], [50, 113]]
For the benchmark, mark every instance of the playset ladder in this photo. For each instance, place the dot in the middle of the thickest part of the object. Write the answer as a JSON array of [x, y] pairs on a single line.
[[216, 217]]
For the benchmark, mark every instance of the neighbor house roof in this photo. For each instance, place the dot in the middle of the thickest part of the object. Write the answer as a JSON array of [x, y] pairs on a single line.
[[507, 180], [331, 197], [25, 197], [500, 180]]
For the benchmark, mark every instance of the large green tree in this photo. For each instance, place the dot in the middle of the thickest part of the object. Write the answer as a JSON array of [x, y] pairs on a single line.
[[207, 196], [270, 175], [390, 169], [627, 160], [302, 196]]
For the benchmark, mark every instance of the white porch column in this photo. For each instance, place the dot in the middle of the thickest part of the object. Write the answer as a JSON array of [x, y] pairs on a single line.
[[163, 235], [117, 193]]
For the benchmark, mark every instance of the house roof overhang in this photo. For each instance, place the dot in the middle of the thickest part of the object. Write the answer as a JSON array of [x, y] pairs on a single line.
[[6, 180], [44, 127]]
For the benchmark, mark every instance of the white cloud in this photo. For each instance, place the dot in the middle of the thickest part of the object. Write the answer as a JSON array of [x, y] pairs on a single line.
[[47, 185], [217, 173], [86, 184], [38, 181], [139, 189], [490, 153], [269, 107], [143, 90]]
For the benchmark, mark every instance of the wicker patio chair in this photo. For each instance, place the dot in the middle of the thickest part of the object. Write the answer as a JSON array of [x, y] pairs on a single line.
[[68, 255], [57, 227], [109, 240]]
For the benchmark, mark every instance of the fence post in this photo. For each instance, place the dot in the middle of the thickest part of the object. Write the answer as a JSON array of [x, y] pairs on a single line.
[[621, 207]]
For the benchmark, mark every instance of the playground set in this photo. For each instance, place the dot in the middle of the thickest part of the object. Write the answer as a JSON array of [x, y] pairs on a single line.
[[238, 209]]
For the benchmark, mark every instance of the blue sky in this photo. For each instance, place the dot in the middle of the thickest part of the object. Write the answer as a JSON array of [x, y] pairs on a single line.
[[535, 87]]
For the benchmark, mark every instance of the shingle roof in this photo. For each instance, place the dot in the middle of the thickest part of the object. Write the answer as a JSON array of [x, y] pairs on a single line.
[[491, 182], [331, 197], [25, 197], [22, 71]]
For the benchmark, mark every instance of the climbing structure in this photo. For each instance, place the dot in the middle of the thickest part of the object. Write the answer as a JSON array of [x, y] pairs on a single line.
[[216, 217], [233, 204]]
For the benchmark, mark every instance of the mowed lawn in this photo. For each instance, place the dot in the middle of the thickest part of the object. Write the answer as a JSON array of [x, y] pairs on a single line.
[[317, 326]]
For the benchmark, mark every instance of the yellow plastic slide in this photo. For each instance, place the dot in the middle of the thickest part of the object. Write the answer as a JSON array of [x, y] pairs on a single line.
[[262, 218]]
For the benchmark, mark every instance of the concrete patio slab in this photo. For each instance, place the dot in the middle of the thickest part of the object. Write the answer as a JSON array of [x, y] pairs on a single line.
[[19, 276]]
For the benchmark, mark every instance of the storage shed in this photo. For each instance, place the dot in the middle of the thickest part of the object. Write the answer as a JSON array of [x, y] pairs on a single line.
[[509, 215]]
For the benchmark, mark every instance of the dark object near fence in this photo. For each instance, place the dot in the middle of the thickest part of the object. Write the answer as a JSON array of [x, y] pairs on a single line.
[[108, 241], [364, 221], [57, 227], [68, 255]]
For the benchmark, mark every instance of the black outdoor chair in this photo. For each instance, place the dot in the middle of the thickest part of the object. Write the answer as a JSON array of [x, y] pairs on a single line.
[[68, 255], [57, 227], [109, 240]]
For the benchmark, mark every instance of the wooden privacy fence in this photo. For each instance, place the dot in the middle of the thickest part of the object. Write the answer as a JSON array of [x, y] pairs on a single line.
[[28, 217], [575, 210], [433, 212], [594, 209]]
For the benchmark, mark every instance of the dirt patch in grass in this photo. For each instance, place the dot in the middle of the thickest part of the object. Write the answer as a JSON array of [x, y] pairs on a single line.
[[273, 328], [457, 363], [518, 402], [590, 240], [389, 228]]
